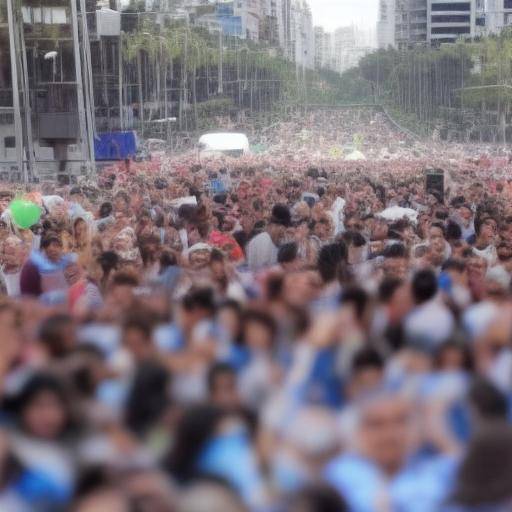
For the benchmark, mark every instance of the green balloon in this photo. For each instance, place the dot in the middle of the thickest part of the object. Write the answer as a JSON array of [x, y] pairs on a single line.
[[25, 213]]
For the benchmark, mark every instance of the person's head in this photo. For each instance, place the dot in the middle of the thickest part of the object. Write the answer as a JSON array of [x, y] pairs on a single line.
[[57, 335], [42, 408], [486, 230], [385, 430], [196, 428], [477, 268], [379, 230], [396, 261], [81, 231], [121, 202], [465, 213], [424, 286], [453, 356], [106, 209], [323, 227], [280, 221], [121, 289], [138, 335], [199, 256], [222, 386], [259, 330], [366, 373], [356, 246], [318, 498], [51, 244], [198, 304], [287, 256], [484, 478], [487, 402], [330, 260], [395, 295], [148, 399], [229, 316]]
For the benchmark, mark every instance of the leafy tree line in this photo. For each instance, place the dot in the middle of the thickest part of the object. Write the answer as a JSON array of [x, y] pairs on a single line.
[[467, 85]]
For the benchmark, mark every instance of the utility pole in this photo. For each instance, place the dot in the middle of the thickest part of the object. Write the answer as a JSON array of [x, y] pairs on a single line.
[[15, 92], [79, 83], [221, 78]]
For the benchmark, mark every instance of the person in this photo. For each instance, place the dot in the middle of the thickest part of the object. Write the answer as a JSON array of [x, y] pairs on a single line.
[[430, 321], [43, 272], [262, 249], [481, 483], [381, 469]]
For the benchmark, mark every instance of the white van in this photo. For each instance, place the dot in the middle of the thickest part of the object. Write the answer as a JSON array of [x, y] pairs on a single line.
[[223, 144]]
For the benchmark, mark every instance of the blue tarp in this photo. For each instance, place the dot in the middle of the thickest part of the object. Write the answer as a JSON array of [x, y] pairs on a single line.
[[115, 145]]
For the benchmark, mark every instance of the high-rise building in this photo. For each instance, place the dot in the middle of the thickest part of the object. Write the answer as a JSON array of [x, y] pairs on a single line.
[[449, 21], [497, 16], [432, 22], [323, 49], [386, 24]]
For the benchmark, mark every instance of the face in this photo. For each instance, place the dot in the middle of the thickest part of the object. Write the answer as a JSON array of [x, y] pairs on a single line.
[[488, 230], [230, 321], [465, 213], [224, 391], [199, 259], [396, 267], [136, 342], [45, 416], [257, 336], [54, 251], [364, 381], [386, 432]]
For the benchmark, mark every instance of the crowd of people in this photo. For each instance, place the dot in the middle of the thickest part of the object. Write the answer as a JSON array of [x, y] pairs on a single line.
[[285, 332]]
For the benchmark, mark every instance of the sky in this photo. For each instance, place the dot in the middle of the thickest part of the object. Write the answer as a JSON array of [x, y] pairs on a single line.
[[332, 14]]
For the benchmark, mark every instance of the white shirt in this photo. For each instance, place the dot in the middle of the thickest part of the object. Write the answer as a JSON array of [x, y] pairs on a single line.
[[261, 252], [430, 322]]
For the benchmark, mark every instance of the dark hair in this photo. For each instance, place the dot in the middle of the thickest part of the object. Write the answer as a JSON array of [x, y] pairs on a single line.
[[438, 225], [148, 398], [33, 387], [106, 209], [330, 259], [354, 238], [50, 238], [287, 252], [216, 370], [318, 498], [136, 320], [453, 231], [367, 357], [488, 400], [395, 251], [261, 317], [199, 298], [108, 261], [388, 287], [424, 286], [358, 298], [195, 429], [168, 259], [453, 264], [125, 279], [485, 475], [51, 334]]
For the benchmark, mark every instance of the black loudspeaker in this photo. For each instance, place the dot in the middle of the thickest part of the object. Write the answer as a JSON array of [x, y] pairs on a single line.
[[434, 183]]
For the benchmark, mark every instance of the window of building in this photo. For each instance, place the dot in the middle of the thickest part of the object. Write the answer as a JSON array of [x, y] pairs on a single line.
[[452, 6], [10, 142], [450, 30], [507, 4], [451, 18]]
